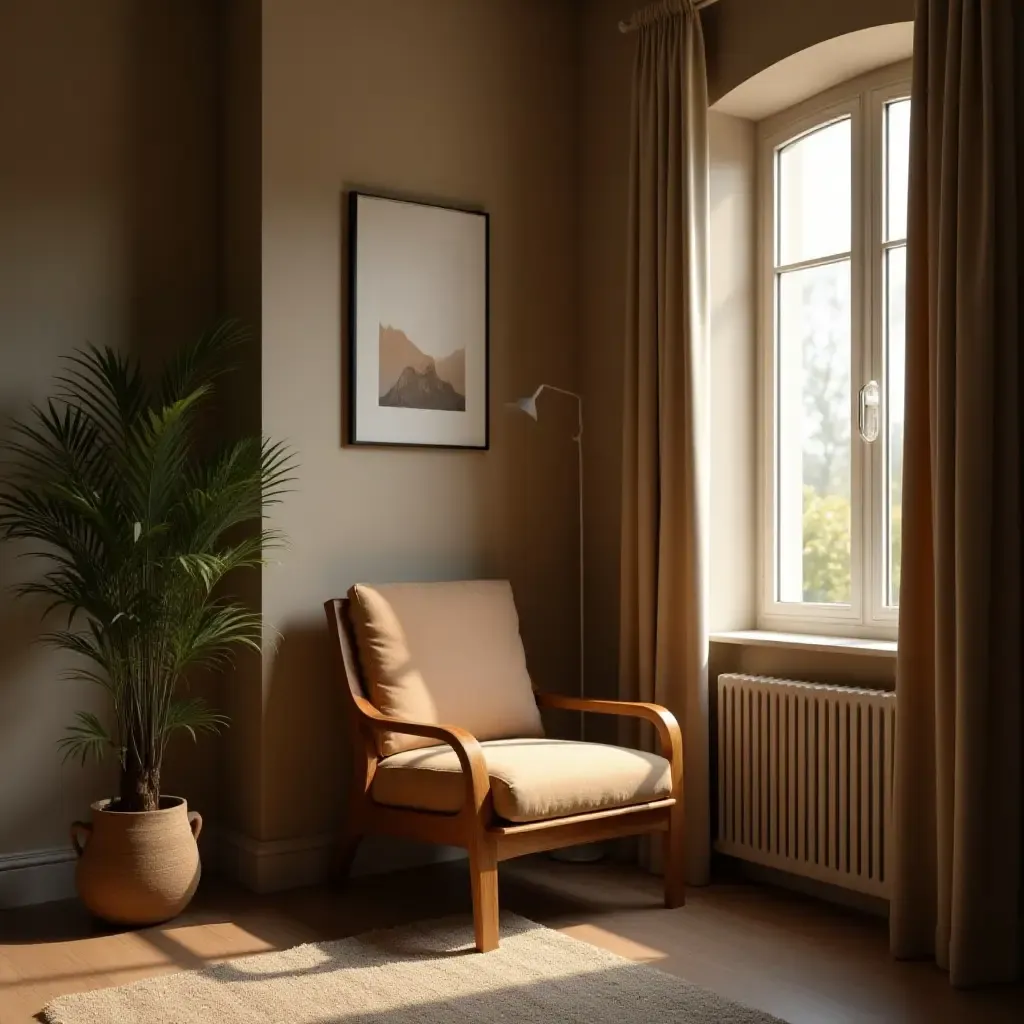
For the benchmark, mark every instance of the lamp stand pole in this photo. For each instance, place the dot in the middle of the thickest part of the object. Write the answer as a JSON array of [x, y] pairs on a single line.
[[529, 406], [588, 853], [583, 633]]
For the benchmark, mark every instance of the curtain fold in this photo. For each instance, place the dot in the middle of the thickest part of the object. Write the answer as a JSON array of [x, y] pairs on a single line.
[[663, 634], [959, 780]]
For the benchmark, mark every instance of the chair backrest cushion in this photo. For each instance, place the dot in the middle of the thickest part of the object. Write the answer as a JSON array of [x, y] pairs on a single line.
[[447, 654]]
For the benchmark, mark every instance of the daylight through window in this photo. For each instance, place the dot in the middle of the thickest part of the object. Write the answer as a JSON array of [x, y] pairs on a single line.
[[835, 179]]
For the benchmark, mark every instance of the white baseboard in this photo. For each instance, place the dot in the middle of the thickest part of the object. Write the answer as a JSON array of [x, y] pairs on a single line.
[[36, 876], [42, 876], [275, 865]]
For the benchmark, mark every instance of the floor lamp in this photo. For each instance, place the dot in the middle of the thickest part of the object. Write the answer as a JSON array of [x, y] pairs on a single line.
[[529, 406], [588, 852]]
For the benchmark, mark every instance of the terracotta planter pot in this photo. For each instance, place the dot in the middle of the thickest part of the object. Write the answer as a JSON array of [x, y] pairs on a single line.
[[137, 868]]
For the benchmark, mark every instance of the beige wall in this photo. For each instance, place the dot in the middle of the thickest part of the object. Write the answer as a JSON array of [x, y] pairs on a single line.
[[606, 62], [733, 549], [461, 101], [116, 193], [107, 235], [837, 668], [118, 201], [241, 273], [742, 38]]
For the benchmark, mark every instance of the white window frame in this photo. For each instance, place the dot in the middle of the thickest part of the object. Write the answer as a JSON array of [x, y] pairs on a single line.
[[864, 101]]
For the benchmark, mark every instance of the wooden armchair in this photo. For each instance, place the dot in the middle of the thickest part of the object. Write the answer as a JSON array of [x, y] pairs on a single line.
[[458, 808]]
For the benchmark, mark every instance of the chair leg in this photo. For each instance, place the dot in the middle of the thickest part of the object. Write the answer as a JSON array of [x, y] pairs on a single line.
[[675, 860], [483, 873], [347, 854]]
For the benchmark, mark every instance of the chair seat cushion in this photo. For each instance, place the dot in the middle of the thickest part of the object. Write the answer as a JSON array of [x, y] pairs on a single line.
[[444, 653], [531, 779]]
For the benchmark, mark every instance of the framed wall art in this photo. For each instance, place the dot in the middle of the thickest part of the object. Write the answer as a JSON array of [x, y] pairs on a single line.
[[419, 324]]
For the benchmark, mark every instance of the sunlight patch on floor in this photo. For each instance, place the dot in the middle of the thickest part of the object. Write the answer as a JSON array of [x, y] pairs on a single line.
[[196, 945], [613, 943]]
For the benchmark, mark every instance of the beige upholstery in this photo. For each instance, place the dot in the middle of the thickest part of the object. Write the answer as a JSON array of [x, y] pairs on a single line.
[[531, 779], [445, 654]]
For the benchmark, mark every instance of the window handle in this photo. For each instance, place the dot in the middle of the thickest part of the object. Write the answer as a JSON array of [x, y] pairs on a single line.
[[869, 412]]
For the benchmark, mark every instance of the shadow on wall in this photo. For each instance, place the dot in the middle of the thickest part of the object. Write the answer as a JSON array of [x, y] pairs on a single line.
[[306, 743], [37, 702], [170, 221], [20, 627], [20, 620], [22, 741], [110, 175], [171, 164]]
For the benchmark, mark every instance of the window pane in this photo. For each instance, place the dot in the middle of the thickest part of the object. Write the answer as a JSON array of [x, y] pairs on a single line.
[[813, 434], [814, 195], [897, 165], [895, 359]]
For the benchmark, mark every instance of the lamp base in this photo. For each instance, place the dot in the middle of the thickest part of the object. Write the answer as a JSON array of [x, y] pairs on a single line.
[[585, 853]]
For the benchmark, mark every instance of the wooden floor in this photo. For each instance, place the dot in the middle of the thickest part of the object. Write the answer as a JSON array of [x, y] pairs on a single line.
[[804, 961]]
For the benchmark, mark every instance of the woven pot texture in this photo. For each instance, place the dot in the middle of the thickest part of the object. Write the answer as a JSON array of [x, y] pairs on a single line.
[[137, 868]]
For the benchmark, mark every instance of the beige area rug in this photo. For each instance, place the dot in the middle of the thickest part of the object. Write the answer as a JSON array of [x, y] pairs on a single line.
[[418, 974]]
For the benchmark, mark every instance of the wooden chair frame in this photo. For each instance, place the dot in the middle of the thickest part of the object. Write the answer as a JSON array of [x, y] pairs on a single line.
[[487, 838]]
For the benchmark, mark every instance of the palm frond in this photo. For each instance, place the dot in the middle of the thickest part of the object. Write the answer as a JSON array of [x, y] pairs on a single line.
[[208, 637], [278, 466], [79, 674], [210, 568], [67, 592], [158, 454], [36, 513], [194, 716], [236, 488], [107, 387], [82, 644], [202, 361], [140, 525], [58, 443], [88, 738]]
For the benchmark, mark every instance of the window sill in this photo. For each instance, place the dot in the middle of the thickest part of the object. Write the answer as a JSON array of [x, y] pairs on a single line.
[[807, 642]]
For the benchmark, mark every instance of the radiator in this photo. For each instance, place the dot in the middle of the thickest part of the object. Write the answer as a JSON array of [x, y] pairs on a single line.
[[805, 778]]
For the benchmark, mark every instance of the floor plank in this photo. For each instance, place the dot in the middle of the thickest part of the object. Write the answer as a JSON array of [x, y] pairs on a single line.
[[800, 959]]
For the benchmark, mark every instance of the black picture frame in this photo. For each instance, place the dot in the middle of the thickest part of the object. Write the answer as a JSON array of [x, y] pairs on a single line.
[[358, 434]]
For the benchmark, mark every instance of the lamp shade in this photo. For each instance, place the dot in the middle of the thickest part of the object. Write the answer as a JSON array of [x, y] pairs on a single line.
[[527, 405]]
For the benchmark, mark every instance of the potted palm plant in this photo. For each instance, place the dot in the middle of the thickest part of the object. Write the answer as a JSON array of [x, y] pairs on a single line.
[[140, 518]]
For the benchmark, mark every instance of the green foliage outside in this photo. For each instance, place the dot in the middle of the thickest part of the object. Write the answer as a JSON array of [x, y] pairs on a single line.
[[826, 547], [826, 565], [826, 454], [897, 551]]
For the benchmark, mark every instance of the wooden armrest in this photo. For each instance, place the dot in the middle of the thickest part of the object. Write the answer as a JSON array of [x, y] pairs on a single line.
[[466, 746], [661, 718]]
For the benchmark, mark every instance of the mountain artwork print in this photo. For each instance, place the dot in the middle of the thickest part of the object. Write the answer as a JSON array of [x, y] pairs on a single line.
[[411, 379], [419, 316]]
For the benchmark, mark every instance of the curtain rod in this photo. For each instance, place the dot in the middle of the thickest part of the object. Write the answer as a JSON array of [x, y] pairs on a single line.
[[637, 21]]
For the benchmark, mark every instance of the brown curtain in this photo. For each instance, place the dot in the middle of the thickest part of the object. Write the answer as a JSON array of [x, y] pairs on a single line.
[[957, 865], [663, 636]]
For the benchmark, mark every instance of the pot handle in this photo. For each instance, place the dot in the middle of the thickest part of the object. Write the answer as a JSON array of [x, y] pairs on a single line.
[[195, 821], [77, 828]]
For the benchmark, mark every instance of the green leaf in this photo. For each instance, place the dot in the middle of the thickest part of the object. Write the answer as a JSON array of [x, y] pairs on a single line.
[[88, 738], [194, 716], [115, 486], [202, 361], [107, 388]]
